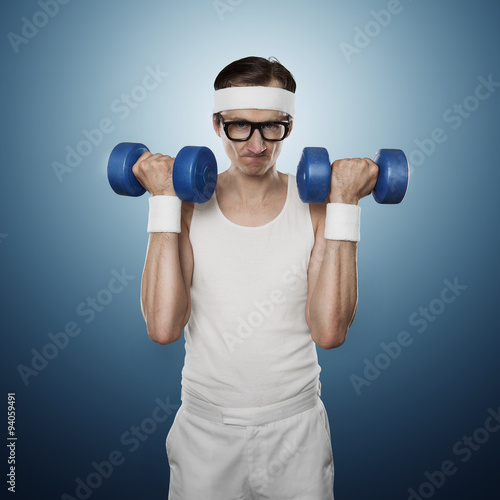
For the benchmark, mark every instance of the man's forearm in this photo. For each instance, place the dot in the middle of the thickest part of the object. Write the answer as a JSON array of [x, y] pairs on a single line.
[[164, 299], [335, 296]]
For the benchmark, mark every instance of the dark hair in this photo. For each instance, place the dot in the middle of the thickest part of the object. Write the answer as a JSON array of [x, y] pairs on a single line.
[[254, 71]]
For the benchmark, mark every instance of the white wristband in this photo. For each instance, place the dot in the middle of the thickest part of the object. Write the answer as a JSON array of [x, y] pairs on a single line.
[[164, 214], [342, 222]]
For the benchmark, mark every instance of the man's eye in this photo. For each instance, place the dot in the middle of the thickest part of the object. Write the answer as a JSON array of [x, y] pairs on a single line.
[[270, 126], [242, 125]]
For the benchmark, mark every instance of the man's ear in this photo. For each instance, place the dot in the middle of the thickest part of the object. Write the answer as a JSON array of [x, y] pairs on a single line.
[[214, 123]]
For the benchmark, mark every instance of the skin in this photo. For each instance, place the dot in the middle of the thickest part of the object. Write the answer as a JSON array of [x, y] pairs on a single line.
[[251, 193]]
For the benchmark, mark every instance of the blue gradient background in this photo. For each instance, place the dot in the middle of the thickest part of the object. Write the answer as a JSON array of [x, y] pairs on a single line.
[[60, 241]]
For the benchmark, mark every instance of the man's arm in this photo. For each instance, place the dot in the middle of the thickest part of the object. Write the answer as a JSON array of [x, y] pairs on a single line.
[[332, 275], [168, 269], [333, 289], [166, 282]]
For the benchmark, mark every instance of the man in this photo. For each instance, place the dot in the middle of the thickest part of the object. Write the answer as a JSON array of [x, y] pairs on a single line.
[[256, 279]]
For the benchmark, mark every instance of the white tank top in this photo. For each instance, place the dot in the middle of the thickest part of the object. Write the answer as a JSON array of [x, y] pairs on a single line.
[[247, 340]]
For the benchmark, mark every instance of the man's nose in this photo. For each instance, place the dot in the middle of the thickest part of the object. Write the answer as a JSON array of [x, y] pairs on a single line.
[[256, 144]]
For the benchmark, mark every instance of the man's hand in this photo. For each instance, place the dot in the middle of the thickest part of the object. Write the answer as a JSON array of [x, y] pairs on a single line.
[[352, 179], [154, 172]]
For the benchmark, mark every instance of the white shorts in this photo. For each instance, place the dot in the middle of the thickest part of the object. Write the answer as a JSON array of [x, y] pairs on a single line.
[[276, 452]]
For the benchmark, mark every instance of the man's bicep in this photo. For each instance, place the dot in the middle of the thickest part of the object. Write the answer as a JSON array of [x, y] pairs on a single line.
[[317, 253], [186, 260]]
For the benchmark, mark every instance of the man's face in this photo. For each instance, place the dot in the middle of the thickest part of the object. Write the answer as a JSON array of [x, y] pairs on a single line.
[[255, 156]]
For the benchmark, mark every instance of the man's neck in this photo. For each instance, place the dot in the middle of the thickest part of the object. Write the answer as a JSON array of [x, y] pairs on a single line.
[[249, 189]]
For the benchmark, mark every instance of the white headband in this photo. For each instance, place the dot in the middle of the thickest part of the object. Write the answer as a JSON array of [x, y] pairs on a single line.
[[273, 98]]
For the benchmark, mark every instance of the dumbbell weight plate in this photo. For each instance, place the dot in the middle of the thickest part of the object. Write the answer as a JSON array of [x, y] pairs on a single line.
[[120, 175], [314, 175], [393, 176], [195, 174]]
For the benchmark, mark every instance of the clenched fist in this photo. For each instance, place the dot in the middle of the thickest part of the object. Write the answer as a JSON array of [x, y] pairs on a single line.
[[352, 179], [154, 172]]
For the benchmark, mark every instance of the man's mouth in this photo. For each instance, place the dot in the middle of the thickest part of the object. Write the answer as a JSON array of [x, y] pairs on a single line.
[[260, 155]]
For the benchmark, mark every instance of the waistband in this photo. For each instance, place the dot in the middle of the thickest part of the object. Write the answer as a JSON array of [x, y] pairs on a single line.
[[251, 416]]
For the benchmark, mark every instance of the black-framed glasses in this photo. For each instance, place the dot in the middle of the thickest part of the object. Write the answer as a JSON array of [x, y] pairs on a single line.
[[241, 130]]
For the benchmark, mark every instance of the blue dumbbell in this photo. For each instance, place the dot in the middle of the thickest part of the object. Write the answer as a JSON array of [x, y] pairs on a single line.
[[314, 176], [194, 174]]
